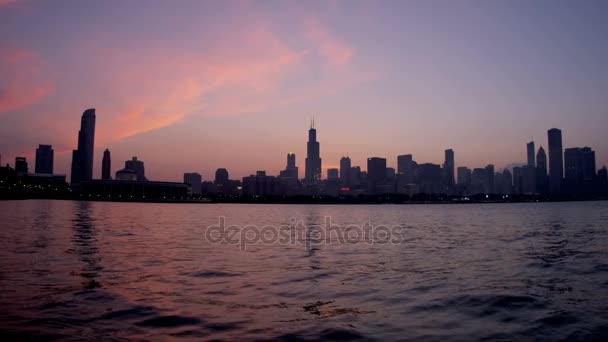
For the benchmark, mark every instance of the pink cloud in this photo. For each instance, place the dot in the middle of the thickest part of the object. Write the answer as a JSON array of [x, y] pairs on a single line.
[[23, 79], [335, 51]]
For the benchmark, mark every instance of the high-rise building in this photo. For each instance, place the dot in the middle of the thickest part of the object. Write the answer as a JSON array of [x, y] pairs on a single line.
[[376, 173], [21, 165], [194, 181], [354, 177], [542, 182], [333, 174], [448, 167], [344, 170], [580, 169], [405, 168], [106, 165], [530, 150], [313, 158], [464, 176], [556, 161], [82, 158], [507, 182], [221, 176], [489, 184], [44, 159], [429, 178], [291, 170], [528, 179], [137, 166]]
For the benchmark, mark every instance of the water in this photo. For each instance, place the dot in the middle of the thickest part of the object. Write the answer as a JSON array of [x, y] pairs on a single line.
[[92, 270]]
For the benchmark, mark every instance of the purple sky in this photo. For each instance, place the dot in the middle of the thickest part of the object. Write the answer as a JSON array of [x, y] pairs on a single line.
[[190, 86]]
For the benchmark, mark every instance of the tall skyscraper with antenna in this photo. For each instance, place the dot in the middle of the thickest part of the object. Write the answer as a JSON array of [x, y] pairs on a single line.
[[313, 157]]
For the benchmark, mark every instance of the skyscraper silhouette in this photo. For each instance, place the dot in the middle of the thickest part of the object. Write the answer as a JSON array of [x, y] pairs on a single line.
[[448, 167], [556, 160], [82, 158], [313, 158], [44, 159], [106, 165], [137, 166], [344, 170], [21, 165], [530, 150]]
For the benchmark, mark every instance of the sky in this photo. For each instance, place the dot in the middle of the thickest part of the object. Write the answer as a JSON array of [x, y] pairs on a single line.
[[192, 86]]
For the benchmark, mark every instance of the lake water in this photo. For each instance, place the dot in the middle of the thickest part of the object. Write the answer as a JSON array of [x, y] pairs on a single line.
[[91, 270]]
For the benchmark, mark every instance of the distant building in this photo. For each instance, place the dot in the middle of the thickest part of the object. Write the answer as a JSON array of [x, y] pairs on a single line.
[[376, 173], [126, 175], [221, 176], [354, 177], [313, 158], [489, 184], [259, 184], [429, 178], [21, 165], [518, 179], [448, 167], [106, 165], [542, 181], [580, 169], [464, 176], [344, 170], [528, 179], [333, 174], [530, 152], [44, 159], [556, 162], [507, 182], [194, 181], [82, 158], [405, 167], [478, 181], [291, 170], [137, 166]]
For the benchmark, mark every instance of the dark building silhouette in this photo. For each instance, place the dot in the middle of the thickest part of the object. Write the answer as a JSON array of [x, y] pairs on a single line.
[[126, 174], [448, 166], [405, 167], [44, 159], [464, 176], [478, 180], [313, 158], [489, 183], [518, 179], [376, 173], [333, 174], [556, 161], [106, 165], [580, 169], [530, 151], [542, 181], [506, 182], [429, 178], [194, 181], [291, 170], [344, 170], [354, 177], [82, 158], [528, 181], [221, 176], [260, 185], [21, 165], [137, 166]]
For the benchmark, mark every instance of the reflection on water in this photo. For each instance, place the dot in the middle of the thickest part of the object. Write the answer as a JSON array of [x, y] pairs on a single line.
[[84, 243], [87, 270]]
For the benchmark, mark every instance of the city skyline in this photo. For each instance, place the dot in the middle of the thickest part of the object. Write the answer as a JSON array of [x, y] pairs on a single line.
[[381, 80]]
